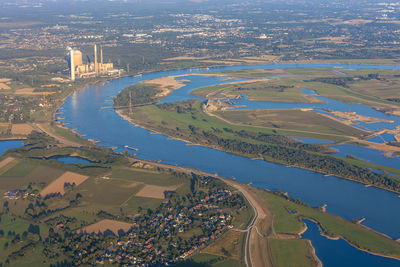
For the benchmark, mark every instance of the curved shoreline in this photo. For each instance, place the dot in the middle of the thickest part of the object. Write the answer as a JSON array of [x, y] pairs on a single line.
[[188, 142], [130, 120], [324, 234]]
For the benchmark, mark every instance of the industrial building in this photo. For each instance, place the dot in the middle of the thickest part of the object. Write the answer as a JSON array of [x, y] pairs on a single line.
[[91, 69]]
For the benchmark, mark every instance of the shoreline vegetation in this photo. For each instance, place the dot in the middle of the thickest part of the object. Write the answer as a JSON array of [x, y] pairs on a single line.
[[285, 208], [170, 134], [195, 136], [126, 117], [287, 212]]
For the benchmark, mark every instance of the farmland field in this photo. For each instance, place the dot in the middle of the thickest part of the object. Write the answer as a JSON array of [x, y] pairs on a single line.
[[104, 225], [57, 186], [295, 120], [154, 191]]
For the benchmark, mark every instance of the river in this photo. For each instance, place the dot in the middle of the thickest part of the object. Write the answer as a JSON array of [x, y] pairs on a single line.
[[85, 110]]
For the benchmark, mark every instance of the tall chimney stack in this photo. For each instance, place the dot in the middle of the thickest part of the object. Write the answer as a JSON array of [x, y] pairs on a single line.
[[96, 67], [101, 54], [72, 65]]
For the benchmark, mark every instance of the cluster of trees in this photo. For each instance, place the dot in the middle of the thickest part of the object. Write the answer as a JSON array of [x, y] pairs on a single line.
[[343, 81], [39, 208], [138, 94], [154, 238], [279, 140], [262, 86], [277, 148], [178, 107], [397, 100], [42, 146], [37, 140]]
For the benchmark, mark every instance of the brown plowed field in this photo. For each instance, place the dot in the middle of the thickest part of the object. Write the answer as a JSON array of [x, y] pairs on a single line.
[[57, 186], [21, 129], [105, 225], [5, 161], [154, 191]]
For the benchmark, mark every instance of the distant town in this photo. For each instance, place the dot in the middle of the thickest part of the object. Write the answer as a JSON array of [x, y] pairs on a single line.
[[199, 133]]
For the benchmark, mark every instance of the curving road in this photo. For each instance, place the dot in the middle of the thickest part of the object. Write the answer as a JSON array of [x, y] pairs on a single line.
[[259, 212]]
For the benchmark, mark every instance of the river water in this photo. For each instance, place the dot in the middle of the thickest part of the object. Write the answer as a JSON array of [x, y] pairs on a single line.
[[335, 253], [8, 144], [88, 111]]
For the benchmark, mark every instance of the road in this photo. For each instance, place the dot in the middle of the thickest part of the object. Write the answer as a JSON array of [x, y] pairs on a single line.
[[253, 235], [247, 249], [59, 138]]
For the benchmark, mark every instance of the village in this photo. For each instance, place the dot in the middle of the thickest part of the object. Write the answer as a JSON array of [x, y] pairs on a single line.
[[166, 236]]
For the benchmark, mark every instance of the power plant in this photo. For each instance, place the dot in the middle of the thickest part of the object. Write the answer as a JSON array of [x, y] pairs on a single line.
[[91, 69]]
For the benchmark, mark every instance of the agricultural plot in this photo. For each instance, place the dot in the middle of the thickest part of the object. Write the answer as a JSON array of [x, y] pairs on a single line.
[[21, 129], [6, 161], [136, 204], [30, 91], [104, 225], [272, 89], [107, 193], [230, 245], [4, 86], [57, 186], [39, 176], [296, 120], [154, 191], [23, 168], [146, 176], [249, 74]]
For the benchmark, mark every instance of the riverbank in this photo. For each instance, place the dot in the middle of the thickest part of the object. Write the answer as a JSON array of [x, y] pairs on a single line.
[[153, 127], [279, 218], [258, 232], [350, 242]]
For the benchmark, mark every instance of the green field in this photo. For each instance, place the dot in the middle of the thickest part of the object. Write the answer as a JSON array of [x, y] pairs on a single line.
[[230, 246], [146, 176], [271, 90], [174, 123], [203, 259], [65, 133], [22, 169], [291, 120], [291, 252], [288, 217], [110, 194], [249, 74], [371, 92]]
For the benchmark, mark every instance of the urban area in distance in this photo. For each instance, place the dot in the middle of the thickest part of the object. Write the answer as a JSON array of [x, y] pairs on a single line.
[[200, 133]]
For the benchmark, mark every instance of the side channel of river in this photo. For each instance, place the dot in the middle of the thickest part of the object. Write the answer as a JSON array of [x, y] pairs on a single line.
[[84, 110]]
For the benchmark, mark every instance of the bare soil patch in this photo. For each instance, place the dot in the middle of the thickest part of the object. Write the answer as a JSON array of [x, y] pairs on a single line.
[[4, 86], [30, 91], [356, 21], [104, 225], [167, 85], [154, 191], [21, 129], [57, 186], [5, 161], [183, 58], [50, 85]]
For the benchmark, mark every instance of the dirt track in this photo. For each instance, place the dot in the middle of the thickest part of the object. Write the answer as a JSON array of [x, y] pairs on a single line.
[[256, 246], [57, 137]]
